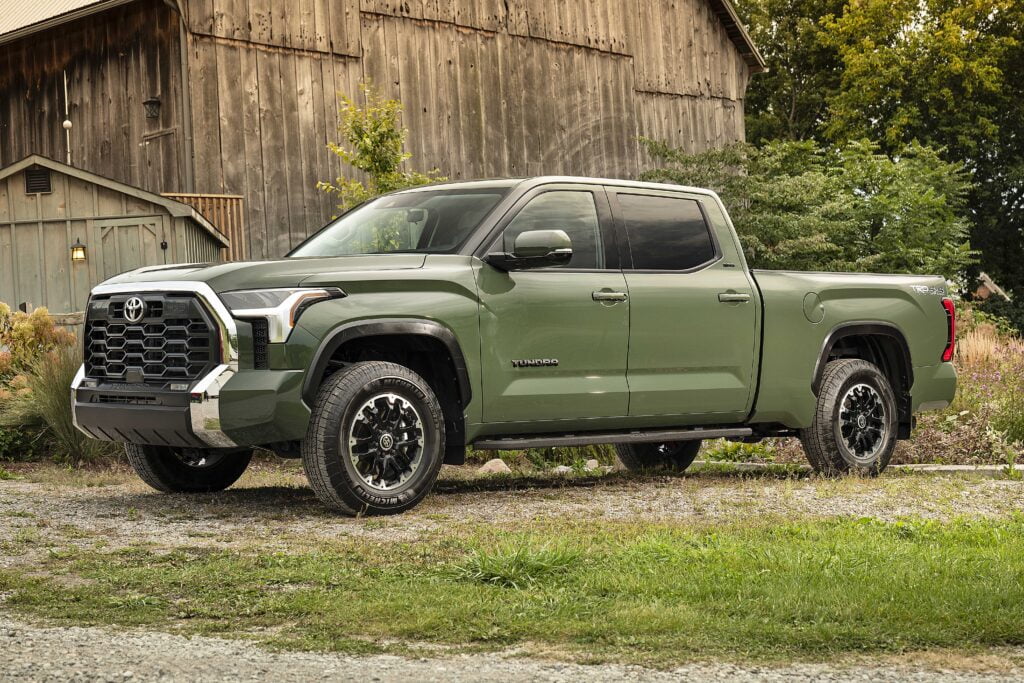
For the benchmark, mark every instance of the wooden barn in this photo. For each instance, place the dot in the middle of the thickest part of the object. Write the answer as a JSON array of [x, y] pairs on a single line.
[[229, 104]]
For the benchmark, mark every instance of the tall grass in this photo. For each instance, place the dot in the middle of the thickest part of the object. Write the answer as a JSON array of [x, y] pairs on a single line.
[[985, 422], [48, 403]]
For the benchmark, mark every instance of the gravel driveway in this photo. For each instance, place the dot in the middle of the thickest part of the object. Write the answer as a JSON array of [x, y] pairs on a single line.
[[271, 505]]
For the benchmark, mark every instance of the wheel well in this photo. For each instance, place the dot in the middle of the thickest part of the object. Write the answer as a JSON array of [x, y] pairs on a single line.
[[886, 349], [428, 357]]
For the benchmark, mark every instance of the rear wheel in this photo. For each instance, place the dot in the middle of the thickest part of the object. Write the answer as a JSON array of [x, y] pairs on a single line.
[[674, 456], [376, 439], [854, 427], [187, 470]]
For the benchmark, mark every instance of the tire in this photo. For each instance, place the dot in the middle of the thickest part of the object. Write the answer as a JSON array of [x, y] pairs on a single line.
[[855, 423], [675, 456], [187, 470], [376, 440]]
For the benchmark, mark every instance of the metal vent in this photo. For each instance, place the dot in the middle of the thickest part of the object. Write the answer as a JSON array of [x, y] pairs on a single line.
[[260, 339], [37, 180]]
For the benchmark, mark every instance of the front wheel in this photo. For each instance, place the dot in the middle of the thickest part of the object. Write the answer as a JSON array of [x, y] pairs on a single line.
[[187, 470], [674, 456], [854, 427], [375, 441]]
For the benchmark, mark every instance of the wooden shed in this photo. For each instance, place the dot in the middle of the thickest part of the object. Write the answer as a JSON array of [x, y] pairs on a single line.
[[47, 208]]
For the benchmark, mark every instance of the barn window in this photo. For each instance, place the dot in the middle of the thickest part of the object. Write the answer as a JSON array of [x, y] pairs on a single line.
[[37, 180]]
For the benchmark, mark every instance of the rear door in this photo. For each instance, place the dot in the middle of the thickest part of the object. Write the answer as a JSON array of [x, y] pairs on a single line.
[[554, 340], [693, 316]]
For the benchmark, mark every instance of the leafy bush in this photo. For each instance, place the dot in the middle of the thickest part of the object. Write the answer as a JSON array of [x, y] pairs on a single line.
[[23, 339], [374, 143], [798, 206], [22, 443], [1011, 312]]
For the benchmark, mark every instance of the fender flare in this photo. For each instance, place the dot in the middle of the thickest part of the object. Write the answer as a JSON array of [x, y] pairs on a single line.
[[378, 327], [862, 328]]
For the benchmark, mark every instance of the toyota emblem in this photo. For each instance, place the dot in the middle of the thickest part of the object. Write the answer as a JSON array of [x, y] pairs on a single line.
[[134, 309]]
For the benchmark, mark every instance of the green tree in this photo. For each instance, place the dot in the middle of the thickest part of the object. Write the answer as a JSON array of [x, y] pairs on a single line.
[[798, 206], [790, 100], [947, 73], [373, 143]]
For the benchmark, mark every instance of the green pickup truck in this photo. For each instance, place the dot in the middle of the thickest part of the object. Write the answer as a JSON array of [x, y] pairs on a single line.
[[504, 314]]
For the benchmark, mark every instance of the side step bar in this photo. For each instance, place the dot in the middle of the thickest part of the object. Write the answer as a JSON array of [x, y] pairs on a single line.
[[594, 438]]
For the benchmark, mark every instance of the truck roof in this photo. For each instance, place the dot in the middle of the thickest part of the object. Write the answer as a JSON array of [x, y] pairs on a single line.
[[533, 181]]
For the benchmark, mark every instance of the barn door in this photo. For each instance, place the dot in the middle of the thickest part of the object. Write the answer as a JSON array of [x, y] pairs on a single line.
[[129, 243]]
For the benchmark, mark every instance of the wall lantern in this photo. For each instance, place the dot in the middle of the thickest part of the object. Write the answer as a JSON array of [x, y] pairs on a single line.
[[78, 251], [152, 106]]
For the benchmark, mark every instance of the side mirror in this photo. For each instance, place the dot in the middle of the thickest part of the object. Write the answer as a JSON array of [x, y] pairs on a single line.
[[535, 249]]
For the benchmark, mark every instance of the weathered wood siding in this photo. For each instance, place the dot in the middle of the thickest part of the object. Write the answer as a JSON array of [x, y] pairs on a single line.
[[114, 61], [490, 87]]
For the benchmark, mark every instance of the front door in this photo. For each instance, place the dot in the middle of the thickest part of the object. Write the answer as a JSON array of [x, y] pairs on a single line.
[[693, 328], [554, 340]]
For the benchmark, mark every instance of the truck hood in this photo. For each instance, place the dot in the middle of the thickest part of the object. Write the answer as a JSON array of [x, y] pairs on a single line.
[[289, 272]]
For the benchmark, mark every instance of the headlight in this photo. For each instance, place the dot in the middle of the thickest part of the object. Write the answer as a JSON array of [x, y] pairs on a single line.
[[280, 307]]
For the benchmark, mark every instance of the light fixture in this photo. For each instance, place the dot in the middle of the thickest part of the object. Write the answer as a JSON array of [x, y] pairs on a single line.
[[78, 251], [152, 106]]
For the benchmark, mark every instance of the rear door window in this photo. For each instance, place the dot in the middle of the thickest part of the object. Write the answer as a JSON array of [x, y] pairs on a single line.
[[665, 233]]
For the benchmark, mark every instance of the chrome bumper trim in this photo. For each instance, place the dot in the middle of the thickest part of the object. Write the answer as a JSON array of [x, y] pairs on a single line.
[[205, 411]]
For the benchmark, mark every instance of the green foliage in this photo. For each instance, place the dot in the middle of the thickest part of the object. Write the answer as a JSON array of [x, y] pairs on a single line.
[[1007, 313], [790, 100], [373, 142], [22, 443], [736, 451], [798, 206]]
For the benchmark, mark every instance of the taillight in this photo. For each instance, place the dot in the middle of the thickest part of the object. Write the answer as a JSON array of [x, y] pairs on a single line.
[[947, 353]]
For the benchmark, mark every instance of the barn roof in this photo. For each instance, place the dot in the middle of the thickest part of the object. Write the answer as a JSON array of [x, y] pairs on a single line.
[[22, 17], [173, 207], [737, 32]]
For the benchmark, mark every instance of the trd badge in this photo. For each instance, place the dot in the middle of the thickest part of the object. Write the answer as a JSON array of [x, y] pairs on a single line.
[[534, 362]]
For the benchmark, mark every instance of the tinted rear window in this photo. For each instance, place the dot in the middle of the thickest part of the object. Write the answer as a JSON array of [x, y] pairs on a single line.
[[665, 233]]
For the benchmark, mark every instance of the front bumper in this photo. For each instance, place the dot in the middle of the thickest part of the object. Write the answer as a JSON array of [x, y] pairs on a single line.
[[225, 408]]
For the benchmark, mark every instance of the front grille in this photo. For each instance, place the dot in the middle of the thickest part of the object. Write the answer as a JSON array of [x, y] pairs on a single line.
[[125, 399], [175, 341]]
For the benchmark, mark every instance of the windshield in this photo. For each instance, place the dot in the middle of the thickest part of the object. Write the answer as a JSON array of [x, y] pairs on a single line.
[[428, 221]]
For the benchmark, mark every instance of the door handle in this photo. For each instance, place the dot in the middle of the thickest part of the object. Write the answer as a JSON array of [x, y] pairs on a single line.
[[606, 295], [733, 298]]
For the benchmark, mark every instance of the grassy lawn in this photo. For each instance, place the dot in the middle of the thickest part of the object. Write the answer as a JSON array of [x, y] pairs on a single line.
[[655, 594]]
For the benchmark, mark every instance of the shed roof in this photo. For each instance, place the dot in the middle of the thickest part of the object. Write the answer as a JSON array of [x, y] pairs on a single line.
[[173, 207]]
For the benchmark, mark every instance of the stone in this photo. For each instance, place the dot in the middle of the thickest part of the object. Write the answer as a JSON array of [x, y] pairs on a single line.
[[495, 466], [592, 465], [561, 469]]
